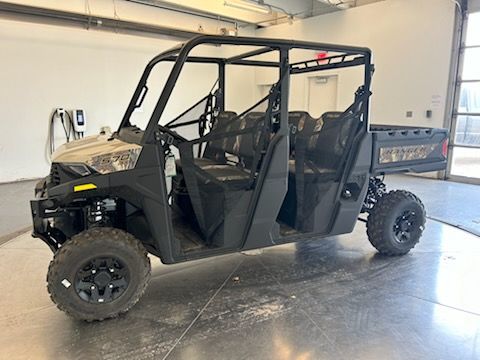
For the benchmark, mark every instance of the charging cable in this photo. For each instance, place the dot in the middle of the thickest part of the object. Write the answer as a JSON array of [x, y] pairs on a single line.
[[67, 125]]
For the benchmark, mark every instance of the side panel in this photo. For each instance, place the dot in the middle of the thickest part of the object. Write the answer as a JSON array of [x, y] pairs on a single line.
[[264, 229], [148, 191], [408, 149], [272, 186], [357, 185]]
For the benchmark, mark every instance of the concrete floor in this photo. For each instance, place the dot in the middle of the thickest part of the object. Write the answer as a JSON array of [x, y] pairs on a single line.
[[327, 299], [446, 201], [15, 209]]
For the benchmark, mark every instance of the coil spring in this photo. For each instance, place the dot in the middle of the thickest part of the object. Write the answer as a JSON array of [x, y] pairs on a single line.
[[376, 189], [96, 213]]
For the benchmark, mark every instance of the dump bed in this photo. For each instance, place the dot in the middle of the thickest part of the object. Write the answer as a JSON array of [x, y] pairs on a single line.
[[403, 148]]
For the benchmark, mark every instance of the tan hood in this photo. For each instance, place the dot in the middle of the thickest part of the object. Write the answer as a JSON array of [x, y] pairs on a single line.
[[99, 152]]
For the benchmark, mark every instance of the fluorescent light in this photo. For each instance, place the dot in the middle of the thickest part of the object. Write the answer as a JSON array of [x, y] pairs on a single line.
[[340, 4], [344, 6], [248, 5]]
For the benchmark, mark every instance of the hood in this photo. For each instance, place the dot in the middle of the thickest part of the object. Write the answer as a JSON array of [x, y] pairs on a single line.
[[100, 152]]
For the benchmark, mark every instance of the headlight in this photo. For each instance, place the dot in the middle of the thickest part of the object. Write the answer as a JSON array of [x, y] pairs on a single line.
[[115, 161], [80, 169]]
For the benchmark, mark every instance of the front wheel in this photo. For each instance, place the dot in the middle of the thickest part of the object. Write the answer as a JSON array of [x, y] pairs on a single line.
[[98, 274], [396, 223]]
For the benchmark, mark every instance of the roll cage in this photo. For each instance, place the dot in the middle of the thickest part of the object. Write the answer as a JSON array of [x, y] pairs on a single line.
[[346, 56], [234, 193]]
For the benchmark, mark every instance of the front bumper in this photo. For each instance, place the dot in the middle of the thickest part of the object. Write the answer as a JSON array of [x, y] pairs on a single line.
[[43, 210], [57, 210], [42, 229]]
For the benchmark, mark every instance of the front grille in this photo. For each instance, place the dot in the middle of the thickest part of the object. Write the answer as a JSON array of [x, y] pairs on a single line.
[[55, 175]]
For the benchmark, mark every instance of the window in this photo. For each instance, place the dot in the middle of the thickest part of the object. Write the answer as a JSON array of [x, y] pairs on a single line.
[[465, 155]]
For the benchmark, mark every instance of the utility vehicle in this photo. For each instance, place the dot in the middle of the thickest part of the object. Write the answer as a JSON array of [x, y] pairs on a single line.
[[224, 176]]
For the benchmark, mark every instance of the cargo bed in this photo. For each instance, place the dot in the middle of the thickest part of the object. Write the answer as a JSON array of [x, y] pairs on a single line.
[[408, 149]]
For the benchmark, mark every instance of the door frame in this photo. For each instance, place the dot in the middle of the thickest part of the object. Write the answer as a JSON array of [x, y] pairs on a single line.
[[307, 85], [452, 114]]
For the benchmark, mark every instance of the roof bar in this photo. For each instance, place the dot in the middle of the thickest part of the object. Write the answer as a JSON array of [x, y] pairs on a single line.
[[355, 62], [249, 54], [214, 60], [255, 63], [197, 59], [328, 59]]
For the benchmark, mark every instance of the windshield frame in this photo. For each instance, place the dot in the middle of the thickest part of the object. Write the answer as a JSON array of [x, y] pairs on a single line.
[[142, 84]]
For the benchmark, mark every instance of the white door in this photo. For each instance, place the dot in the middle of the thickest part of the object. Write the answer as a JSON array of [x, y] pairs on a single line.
[[322, 95], [264, 89]]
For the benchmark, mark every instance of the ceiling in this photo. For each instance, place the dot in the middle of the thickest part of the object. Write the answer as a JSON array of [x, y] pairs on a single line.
[[280, 10]]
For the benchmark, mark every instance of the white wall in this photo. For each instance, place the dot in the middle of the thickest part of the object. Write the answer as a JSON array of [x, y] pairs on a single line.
[[474, 5], [44, 67], [411, 42]]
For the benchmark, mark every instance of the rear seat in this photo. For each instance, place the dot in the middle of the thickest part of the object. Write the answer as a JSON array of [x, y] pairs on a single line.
[[316, 153], [312, 144], [300, 123], [326, 147]]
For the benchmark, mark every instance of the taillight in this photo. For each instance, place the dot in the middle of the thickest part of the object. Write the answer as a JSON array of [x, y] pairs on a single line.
[[445, 148]]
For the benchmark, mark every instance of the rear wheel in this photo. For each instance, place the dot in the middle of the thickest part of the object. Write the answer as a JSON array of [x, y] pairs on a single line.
[[98, 274], [396, 223]]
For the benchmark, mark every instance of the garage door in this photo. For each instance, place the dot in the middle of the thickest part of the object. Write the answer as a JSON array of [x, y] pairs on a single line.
[[465, 152]]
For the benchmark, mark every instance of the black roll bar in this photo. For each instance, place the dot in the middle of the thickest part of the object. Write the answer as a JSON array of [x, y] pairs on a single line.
[[179, 55]]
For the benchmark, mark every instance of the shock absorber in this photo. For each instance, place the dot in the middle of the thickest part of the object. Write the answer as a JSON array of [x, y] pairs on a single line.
[[96, 214], [376, 189]]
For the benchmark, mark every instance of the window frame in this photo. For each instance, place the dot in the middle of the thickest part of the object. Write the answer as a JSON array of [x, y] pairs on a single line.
[[455, 114]]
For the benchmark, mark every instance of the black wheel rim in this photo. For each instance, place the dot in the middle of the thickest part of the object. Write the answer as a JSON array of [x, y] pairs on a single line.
[[102, 280], [404, 226]]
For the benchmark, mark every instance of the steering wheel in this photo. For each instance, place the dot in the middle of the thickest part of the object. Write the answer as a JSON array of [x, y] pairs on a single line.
[[172, 133]]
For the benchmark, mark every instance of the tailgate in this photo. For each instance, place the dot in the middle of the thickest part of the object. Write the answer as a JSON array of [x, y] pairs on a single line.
[[400, 149]]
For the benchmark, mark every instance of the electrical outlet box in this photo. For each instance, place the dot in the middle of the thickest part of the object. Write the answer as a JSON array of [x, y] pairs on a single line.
[[60, 111], [79, 121]]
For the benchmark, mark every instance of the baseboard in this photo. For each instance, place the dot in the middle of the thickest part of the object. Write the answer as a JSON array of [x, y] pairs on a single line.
[[19, 180], [6, 238]]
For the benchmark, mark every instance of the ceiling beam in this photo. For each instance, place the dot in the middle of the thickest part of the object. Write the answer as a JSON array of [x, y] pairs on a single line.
[[216, 9], [87, 21]]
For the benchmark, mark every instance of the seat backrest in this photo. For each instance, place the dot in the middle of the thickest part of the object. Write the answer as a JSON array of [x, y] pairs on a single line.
[[326, 147], [246, 144], [300, 124], [214, 148], [243, 145]]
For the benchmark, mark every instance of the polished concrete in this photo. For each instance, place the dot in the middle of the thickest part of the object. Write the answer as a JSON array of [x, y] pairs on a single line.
[[326, 299], [446, 201], [15, 209]]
